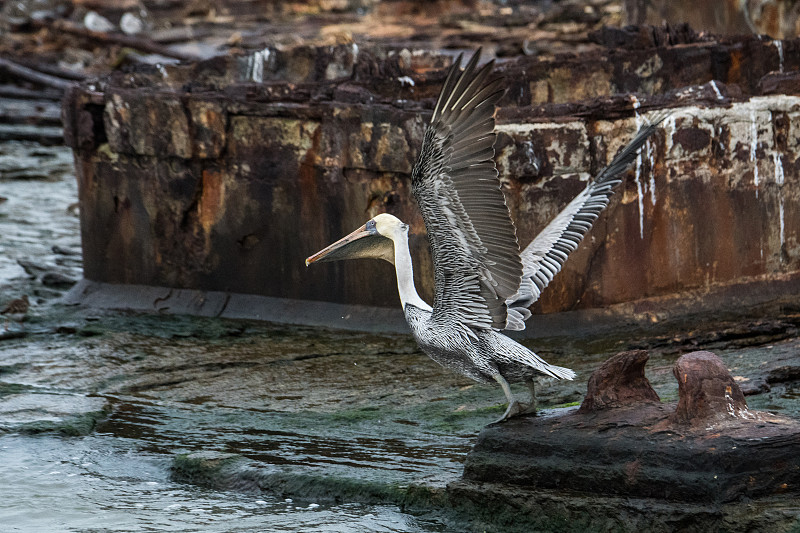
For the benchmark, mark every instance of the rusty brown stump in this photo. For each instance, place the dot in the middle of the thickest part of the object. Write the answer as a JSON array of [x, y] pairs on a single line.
[[707, 447], [707, 391], [618, 382]]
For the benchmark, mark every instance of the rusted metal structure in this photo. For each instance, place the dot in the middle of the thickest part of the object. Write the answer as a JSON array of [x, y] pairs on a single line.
[[777, 18], [223, 175]]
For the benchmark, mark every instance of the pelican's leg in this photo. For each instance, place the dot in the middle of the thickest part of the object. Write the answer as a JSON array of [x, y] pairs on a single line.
[[515, 408]]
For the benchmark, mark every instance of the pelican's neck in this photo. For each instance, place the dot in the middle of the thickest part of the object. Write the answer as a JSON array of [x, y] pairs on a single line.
[[405, 273]]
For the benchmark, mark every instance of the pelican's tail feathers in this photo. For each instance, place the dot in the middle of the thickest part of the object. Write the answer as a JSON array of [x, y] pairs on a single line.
[[560, 372]]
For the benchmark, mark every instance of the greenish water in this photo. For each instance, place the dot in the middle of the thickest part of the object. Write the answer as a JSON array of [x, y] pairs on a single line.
[[117, 477], [106, 483]]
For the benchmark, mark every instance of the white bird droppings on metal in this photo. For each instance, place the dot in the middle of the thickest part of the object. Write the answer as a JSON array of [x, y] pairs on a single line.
[[754, 146], [779, 45], [779, 177]]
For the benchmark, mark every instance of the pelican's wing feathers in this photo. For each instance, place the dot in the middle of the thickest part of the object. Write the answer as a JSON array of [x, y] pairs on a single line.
[[543, 258], [472, 239]]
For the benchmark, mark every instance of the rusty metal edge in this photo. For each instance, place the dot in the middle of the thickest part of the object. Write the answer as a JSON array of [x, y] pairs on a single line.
[[165, 300], [757, 298]]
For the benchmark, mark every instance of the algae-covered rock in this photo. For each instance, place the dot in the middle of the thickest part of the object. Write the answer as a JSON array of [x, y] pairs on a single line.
[[209, 469], [67, 414], [225, 471]]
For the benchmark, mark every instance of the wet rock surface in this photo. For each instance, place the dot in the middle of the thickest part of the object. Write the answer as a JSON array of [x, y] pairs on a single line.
[[620, 381], [706, 391], [233, 472], [709, 447], [33, 412]]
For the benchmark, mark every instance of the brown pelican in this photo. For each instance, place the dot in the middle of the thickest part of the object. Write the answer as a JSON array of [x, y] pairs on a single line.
[[483, 284]]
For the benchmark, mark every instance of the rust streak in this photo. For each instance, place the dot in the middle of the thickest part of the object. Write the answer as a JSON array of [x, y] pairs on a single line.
[[212, 200]]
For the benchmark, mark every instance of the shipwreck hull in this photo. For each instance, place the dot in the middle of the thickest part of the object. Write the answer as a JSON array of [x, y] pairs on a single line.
[[224, 175]]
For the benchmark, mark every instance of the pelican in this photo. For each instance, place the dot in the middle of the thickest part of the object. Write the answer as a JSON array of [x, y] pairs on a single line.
[[483, 284]]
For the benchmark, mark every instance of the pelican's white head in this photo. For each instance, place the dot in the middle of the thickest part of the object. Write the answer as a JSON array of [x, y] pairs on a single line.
[[383, 237], [375, 239], [389, 225]]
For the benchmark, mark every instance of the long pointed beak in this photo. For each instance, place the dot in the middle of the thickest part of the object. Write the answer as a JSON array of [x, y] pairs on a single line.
[[339, 249]]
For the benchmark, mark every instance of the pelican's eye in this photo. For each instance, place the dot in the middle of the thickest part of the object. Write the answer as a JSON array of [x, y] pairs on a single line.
[[371, 226]]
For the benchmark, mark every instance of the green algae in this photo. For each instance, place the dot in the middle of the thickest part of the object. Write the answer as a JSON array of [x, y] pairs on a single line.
[[230, 471], [13, 388], [71, 426]]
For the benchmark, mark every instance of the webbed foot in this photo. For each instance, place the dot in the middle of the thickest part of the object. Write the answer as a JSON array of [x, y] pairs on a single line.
[[517, 408]]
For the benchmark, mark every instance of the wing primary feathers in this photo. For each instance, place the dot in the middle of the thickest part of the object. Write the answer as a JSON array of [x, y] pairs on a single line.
[[629, 153], [543, 258], [481, 279], [462, 83], [454, 180], [447, 88]]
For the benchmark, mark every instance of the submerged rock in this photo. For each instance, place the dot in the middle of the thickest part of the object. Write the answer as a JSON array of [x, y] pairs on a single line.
[[24, 411], [227, 471], [56, 279]]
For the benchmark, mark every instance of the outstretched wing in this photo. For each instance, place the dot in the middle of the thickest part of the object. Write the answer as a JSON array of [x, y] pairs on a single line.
[[543, 258], [473, 242]]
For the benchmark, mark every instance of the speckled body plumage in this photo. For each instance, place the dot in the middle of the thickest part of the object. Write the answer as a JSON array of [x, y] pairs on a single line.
[[478, 354]]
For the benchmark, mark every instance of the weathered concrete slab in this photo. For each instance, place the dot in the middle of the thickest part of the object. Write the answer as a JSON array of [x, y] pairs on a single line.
[[766, 298], [163, 300]]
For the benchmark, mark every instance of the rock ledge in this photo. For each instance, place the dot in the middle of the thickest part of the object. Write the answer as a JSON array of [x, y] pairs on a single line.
[[623, 442]]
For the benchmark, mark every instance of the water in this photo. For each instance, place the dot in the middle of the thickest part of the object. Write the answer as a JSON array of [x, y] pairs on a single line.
[[117, 478], [103, 483], [294, 401], [38, 184]]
